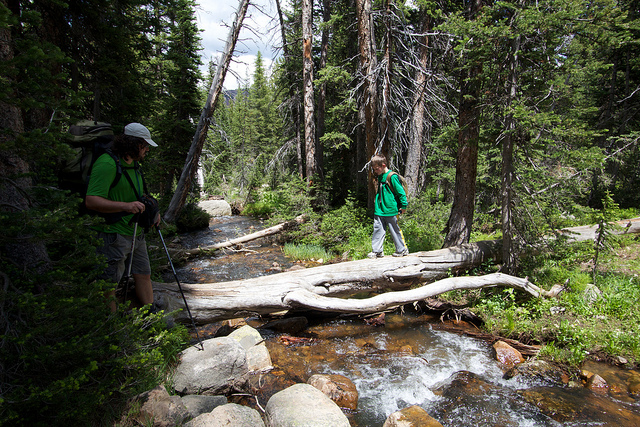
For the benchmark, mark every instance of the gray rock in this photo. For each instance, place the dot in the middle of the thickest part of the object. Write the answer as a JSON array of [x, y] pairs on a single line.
[[303, 405], [198, 404], [216, 207], [213, 370], [258, 358], [246, 336], [229, 415]]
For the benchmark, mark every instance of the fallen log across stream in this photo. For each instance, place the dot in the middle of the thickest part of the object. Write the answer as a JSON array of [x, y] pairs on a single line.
[[327, 288], [324, 288]]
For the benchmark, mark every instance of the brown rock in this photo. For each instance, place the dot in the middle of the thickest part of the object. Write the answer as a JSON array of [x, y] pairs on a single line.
[[158, 409], [597, 383], [507, 355], [338, 388], [413, 416]]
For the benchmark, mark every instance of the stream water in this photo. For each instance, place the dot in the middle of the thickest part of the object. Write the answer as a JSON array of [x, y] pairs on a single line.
[[409, 360]]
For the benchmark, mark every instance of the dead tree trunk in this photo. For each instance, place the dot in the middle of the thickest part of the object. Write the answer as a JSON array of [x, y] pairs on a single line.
[[210, 302], [191, 164], [249, 237]]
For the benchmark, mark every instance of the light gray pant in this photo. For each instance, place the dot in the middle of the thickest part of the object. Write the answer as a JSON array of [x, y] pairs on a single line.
[[380, 225]]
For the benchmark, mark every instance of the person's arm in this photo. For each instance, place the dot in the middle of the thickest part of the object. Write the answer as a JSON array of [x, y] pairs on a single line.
[[102, 205]]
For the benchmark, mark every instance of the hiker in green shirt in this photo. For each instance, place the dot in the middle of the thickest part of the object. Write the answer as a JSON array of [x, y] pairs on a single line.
[[118, 204], [391, 200]]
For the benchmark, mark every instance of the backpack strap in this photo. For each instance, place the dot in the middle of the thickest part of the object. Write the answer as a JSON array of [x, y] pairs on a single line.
[[388, 182], [136, 167], [118, 168]]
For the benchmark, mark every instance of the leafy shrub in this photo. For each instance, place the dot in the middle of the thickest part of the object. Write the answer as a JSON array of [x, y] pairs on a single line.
[[423, 224], [65, 357]]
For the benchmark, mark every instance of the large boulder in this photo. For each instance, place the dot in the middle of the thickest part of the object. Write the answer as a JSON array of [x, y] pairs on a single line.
[[227, 415], [216, 207], [304, 405], [213, 370]]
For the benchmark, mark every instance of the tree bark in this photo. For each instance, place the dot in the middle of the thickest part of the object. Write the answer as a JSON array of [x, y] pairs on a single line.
[[418, 119], [308, 95], [322, 93], [509, 245], [369, 101], [190, 168], [293, 94], [458, 229]]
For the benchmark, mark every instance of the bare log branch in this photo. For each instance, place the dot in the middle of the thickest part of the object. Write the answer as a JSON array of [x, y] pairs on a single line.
[[306, 299]]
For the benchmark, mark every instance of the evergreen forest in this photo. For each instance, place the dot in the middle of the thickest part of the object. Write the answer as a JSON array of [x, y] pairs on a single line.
[[508, 119]]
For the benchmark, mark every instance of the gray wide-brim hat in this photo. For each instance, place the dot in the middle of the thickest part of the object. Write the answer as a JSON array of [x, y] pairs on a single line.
[[140, 131]]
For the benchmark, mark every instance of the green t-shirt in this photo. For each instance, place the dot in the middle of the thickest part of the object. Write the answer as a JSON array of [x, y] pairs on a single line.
[[386, 203], [103, 173]]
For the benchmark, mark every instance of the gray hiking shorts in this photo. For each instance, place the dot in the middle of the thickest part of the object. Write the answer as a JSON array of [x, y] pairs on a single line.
[[117, 249]]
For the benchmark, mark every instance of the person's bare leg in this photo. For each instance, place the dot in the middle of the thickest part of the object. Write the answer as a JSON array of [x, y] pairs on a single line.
[[111, 301], [144, 290]]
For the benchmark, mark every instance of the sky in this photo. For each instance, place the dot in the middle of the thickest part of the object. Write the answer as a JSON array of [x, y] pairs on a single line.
[[258, 34]]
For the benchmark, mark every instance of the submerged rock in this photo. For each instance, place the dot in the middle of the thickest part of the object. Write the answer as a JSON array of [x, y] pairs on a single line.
[[470, 400], [538, 371], [564, 406], [413, 416]]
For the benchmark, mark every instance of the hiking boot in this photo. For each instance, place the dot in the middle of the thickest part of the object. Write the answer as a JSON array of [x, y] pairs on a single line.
[[404, 252], [373, 255]]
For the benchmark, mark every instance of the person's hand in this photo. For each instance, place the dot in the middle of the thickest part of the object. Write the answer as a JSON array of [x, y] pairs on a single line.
[[157, 221], [135, 207], [402, 211]]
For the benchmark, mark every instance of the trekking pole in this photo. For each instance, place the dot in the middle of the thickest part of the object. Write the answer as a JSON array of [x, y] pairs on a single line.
[[180, 287], [125, 279]]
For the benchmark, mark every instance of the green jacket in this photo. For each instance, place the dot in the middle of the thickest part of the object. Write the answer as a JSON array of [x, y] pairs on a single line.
[[103, 174], [386, 203]]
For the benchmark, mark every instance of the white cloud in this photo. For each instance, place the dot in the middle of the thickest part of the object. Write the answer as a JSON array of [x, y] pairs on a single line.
[[215, 17]]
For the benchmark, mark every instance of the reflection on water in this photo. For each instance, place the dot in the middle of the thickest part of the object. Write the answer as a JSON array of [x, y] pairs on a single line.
[[407, 362]]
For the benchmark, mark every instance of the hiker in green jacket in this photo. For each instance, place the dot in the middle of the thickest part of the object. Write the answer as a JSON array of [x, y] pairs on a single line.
[[391, 200], [120, 200]]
